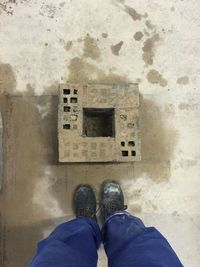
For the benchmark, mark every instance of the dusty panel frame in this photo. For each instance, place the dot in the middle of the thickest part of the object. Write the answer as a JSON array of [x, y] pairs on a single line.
[[76, 146]]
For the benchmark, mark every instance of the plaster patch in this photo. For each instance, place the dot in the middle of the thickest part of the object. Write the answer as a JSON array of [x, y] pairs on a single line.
[[149, 25], [155, 77], [158, 145], [184, 80], [148, 49], [116, 48], [68, 45], [138, 36], [188, 106], [133, 13], [7, 79], [7, 85], [81, 71], [91, 49], [146, 32]]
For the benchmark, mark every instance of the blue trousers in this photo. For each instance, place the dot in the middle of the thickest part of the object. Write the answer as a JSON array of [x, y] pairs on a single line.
[[127, 242]]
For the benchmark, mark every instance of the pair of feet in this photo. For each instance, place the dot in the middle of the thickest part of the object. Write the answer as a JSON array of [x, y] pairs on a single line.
[[111, 200]]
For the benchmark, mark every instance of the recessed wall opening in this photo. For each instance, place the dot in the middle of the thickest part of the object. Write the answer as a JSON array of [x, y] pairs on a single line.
[[124, 153], [99, 122], [66, 109], [66, 91], [133, 153], [131, 143], [73, 100], [66, 126], [122, 143]]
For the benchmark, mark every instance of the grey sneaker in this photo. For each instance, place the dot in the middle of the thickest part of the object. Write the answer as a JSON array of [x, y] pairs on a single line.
[[84, 202], [111, 199]]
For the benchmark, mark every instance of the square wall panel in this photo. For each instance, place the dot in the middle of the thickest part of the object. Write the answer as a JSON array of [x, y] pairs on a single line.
[[98, 123]]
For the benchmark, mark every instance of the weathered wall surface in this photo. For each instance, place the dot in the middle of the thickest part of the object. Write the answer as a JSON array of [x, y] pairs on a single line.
[[154, 43]]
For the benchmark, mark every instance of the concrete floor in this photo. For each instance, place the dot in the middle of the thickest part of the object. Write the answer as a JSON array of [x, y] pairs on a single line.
[[154, 43]]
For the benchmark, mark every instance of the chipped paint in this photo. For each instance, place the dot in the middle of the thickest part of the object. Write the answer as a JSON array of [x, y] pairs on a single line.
[[104, 35]]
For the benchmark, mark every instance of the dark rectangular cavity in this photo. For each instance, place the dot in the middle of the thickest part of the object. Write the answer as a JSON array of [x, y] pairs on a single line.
[[124, 153], [66, 109], [122, 143], [66, 91], [73, 100], [131, 143], [66, 126], [133, 153], [65, 99], [99, 122]]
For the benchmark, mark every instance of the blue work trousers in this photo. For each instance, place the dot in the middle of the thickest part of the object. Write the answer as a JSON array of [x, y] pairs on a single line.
[[127, 242]]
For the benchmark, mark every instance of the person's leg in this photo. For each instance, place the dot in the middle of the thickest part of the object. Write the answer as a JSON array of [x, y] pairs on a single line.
[[127, 241], [73, 243]]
